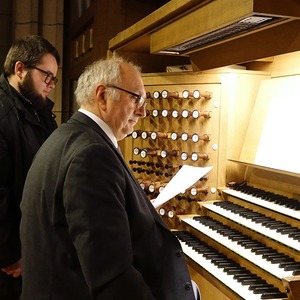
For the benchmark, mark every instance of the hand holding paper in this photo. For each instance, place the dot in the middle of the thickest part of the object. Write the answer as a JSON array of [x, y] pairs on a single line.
[[183, 179]]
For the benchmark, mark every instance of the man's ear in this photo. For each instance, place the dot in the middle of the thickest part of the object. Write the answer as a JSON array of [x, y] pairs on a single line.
[[19, 69], [101, 95]]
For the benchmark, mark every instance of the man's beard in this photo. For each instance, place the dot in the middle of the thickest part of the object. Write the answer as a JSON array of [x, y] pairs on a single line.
[[27, 89]]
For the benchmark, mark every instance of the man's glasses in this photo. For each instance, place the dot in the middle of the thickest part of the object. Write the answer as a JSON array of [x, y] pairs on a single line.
[[49, 76], [140, 100]]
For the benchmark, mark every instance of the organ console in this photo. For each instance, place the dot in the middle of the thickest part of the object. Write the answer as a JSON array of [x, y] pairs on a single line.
[[241, 240]]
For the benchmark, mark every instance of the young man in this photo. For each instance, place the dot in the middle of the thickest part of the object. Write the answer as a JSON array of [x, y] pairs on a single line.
[[88, 231], [26, 120]]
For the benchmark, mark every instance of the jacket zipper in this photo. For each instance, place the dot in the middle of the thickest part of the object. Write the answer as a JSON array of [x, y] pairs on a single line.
[[37, 116]]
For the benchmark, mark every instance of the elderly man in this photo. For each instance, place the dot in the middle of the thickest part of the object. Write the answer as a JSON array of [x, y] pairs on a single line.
[[88, 230]]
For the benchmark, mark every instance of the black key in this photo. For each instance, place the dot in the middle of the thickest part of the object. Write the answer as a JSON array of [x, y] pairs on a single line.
[[255, 286], [294, 235], [265, 289], [202, 249], [242, 275], [283, 229], [250, 281], [211, 255], [235, 271], [250, 245], [292, 266], [277, 260], [269, 253], [247, 242], [258, 248], [278, 295], [276, 225], [224, 265], [273, 255], [237, 267], [266, 250]]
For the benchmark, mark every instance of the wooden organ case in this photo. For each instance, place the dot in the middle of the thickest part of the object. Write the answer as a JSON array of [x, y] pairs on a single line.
[[239, 225]]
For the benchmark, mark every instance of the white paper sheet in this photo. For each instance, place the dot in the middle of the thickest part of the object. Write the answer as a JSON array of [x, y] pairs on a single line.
[[182, 180]]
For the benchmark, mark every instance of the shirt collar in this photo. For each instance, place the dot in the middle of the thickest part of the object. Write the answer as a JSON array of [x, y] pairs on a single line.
[[102, 125]]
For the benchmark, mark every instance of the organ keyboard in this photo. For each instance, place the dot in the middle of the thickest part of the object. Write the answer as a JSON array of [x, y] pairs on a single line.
[[239, 279], [270, 227], [249, 243], [278, 203]]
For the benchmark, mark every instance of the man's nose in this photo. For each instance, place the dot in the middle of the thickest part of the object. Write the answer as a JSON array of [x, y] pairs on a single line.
[[141, 111]]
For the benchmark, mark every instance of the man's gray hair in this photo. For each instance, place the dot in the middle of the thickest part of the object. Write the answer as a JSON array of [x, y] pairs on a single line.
[[103, 71]]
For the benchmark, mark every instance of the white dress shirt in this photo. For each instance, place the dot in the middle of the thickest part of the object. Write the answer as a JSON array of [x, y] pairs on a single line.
[[102, 125]]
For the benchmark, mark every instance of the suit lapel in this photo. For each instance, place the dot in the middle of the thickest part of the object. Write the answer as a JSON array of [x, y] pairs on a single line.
[[82, 118], [150, 205]]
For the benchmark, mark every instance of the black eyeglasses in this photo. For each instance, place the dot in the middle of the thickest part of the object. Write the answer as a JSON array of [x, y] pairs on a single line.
[[49, 76], [140, 100]]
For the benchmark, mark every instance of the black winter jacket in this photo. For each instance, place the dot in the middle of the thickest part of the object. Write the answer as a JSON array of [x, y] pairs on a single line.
[[23, 129]]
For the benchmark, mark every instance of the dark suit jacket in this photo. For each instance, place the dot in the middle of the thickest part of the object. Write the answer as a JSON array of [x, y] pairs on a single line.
[[23, 129], [88, 230]]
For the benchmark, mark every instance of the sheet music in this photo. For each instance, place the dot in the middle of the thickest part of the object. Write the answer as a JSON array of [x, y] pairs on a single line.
[[182, 180]]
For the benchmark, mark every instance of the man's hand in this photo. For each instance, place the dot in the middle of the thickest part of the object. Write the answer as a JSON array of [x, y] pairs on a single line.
[[15, 269]]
